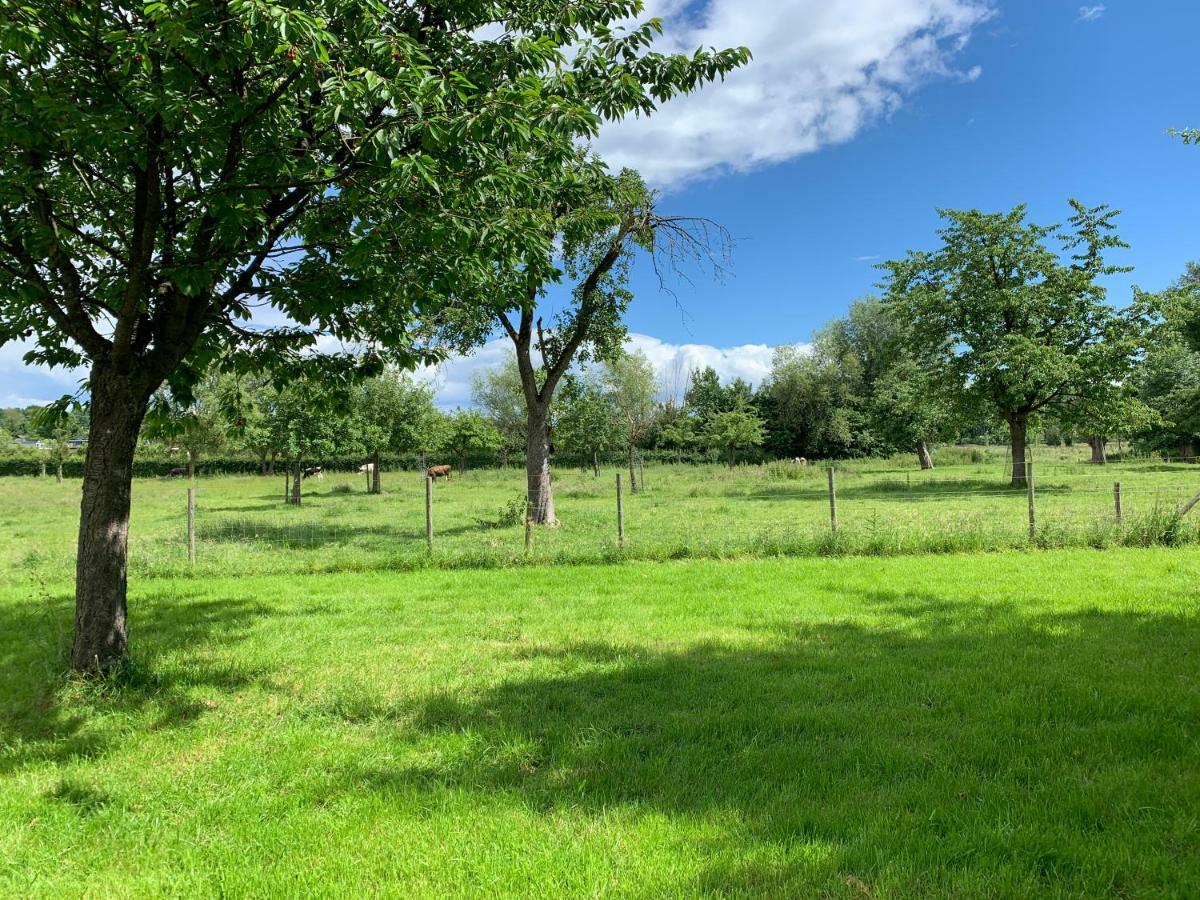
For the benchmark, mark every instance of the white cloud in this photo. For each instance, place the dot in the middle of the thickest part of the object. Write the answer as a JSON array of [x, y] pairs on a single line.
[[822, 71], [451, 380], [25, 385], [1090, 13]]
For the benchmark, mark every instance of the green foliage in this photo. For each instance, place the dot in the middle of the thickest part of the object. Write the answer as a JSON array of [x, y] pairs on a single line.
[[498, 392], [1013, 329], [468, 430], [584, 421], [734, 430], [394, 414], [632, 388]]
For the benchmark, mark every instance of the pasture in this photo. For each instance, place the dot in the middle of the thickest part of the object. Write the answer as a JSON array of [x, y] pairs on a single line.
[[320, 705], [885, 507], [1006, 724]]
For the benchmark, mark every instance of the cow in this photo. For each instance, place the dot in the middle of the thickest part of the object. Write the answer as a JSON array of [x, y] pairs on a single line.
[[313, 471], [366, 468], [800, 461], [436, 472], [179, 472]]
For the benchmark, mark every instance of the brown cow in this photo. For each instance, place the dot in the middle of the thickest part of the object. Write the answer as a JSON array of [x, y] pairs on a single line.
[[436, 472]]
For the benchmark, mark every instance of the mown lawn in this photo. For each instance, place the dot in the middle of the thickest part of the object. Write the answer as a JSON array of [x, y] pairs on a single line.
[[992, 725]]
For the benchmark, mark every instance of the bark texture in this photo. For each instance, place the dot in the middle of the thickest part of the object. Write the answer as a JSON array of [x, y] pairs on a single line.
[[1098, 444], [924, 455], [297, 476], [117, 408], [1018, 431], [376, 478], [633, 482], [540, 492]]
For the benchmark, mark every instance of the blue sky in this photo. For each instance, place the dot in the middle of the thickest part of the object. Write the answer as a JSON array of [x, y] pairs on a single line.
[[857, 119], [1061, 107]]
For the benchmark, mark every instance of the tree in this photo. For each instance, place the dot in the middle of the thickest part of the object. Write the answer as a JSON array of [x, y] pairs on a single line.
[[730, 431], [392, 413], [192, 423], [468, 431], [677, 431], [310, 420], [704, 396], [632, 387], [598, 222], [164, 167], [1168, 381], [1023, 331], [808, 406], [498, 392], [584, 421]]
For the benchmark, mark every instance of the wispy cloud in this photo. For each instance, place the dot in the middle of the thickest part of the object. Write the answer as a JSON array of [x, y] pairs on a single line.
[[865, 258], [823, 70], [1090, 13]]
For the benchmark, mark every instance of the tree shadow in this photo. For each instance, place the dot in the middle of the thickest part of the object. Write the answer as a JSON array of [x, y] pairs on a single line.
[[47, 715], [311, 534], [960, 741]]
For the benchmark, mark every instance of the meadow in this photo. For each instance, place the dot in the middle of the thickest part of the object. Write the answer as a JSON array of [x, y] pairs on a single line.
[[885, 507], [738, 703]]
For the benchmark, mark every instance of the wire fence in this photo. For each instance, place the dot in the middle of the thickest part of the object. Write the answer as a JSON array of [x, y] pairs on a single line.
[[480, 519]]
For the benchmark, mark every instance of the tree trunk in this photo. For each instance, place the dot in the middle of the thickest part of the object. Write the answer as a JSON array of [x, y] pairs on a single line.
[[191, 457], [1187, 452], [633, 483], [596, 463], [537, 466], [1018, 430], [732, 456], [297, 474], [924, 455], [462, 462], [1097, 442], [376, 478], [117, 410], [58, 473]]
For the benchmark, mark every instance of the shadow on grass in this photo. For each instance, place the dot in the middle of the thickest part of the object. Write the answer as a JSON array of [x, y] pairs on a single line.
[[295, 535], [962, 748], [47, 716]]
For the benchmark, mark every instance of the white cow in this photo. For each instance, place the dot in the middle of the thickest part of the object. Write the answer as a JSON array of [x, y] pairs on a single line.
[[367, 468]]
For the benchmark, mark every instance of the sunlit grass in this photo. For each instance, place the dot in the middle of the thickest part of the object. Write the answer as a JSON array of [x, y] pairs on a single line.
[[1009, 724], [885, 507]]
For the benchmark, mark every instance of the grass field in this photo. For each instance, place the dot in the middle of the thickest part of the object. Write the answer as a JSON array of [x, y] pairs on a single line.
[[737, 703], [884, 507], [1006, 724]]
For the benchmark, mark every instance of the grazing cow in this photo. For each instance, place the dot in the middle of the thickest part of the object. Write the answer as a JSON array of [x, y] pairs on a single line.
[[800, 461], [436, 472], [179, 472], [367, 468], [313, 471]]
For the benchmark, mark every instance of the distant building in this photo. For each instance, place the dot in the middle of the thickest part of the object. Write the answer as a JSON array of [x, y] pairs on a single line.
[[79, 443], [29, 443]]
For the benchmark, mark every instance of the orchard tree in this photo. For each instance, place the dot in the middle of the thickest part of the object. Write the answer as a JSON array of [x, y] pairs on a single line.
[[1168, 381], [1026, 331], [632, 389], [468, 431], [584, 421], [391, 413], [598, 222], [733, 430], [498, 392], [311, 420], [165, 167], [195, 424]]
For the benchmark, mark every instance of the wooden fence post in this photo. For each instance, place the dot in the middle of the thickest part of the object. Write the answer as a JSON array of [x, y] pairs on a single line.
[[528, 526], [833, 522], [1032, 499], [191, 525], [429, 513], [620, 515], [1117, 502]]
